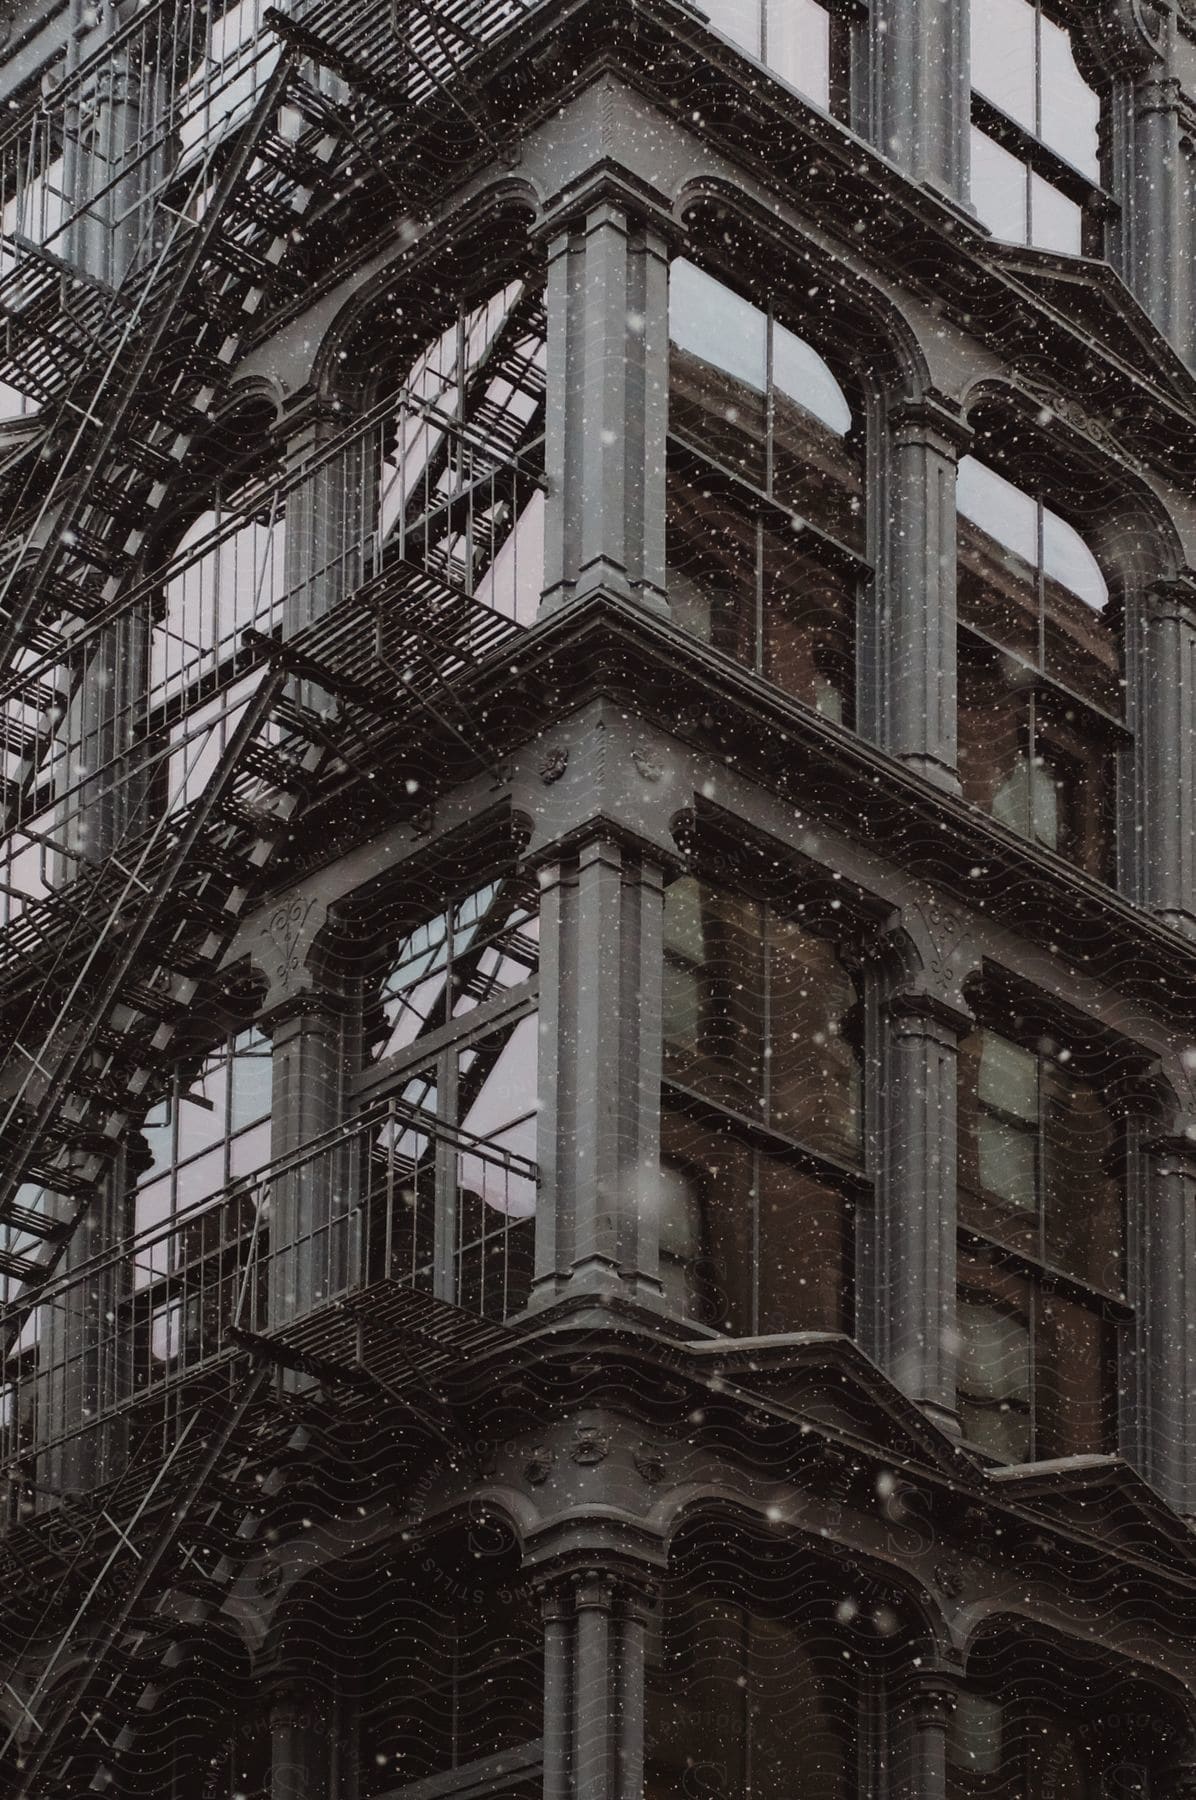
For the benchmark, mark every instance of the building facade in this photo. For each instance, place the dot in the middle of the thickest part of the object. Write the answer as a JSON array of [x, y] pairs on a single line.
[[598, 909]]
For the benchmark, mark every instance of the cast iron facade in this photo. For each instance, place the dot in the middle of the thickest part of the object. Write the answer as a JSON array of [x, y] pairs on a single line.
[[598, 910]]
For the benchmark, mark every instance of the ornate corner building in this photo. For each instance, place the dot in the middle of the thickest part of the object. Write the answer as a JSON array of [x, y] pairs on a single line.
[[598, 899]]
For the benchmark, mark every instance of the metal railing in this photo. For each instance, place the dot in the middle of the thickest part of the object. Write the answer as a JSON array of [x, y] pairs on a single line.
[[131, 715], [395, 1195]]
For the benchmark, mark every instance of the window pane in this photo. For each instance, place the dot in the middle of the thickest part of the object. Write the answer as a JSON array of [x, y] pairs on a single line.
[[718, 370], [999, 190], [1074, 1380], [804, 1252], [994, 1377], [727, 1061], [711, 1259], [739, 19], [809, 625], [1070, 109], [813, 1071], [1081, 1190], [716, 326], [1009, 1078], [798, 47], [1056, 223], [800, 373], [993, 725], [1003, 56], [711, 546], [250, 1079], [1003, 512]]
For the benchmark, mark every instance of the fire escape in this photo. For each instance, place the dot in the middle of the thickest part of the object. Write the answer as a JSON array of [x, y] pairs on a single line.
[[98, 974]]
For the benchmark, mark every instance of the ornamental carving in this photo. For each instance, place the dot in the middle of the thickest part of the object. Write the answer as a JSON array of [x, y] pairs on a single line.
[[554, 765], [539, 1465], [285, 931], [590, 1446], [649, 1464]]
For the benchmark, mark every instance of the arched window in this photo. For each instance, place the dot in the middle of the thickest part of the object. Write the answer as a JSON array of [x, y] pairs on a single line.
[[1041, 694], [1035, 149], [762, 1105], [765, 513], [1041, 1261], [799, 40], [458, 453]]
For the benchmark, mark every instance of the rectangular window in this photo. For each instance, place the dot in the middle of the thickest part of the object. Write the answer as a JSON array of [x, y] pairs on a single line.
[[1041, 1208], [794, 38], [1035, 139]]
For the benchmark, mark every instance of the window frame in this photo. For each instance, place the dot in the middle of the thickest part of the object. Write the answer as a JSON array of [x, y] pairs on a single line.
[[846, 21], [854, 1182], [983, 1244], [1038, 157], [439, 1048]]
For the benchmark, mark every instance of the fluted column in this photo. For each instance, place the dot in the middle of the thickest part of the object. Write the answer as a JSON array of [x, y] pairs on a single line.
[[602, 915], [595, 1632], [1162, 1351], [911, 1328], [930, 1704], [1154, 176], [925, 439], [921, 89], [1167, 754], [607, 411]]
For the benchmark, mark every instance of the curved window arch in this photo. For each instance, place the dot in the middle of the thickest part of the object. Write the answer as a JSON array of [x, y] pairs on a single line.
[[457, 455], [1041, 688], [1035, 137], [766, 513]]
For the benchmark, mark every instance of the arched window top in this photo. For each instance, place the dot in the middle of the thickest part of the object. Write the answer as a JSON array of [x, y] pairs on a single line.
[[711, 322], [1022, 524]]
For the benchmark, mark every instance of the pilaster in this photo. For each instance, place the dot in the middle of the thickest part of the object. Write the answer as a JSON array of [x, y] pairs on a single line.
[[910, 1322], [595, 1634], [1162, 1349], [601, 982], [1154, 176], [607, 415], [924, 441], [328, 519], [1167, 754], [310, 1221], [921, 90]]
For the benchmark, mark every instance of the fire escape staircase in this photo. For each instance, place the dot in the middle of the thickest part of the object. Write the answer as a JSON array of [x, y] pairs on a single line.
[[120, 434], [127, 977]]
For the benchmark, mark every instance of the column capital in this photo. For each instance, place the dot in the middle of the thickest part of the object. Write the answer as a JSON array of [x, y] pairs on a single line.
[[927, 1010], [932, 1696], [1173, 598], [607, 198], [932, 419]]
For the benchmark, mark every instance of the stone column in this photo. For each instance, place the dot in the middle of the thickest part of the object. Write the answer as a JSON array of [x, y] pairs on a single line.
[[910, 1329], [329, 518], [925, 439], [607, 410], [930, 1703], [921, 90], [1153, 176], [1167, 754], [601, 966], [1162, 1348], [595, 1630], [310, 1221], [298, 1744]]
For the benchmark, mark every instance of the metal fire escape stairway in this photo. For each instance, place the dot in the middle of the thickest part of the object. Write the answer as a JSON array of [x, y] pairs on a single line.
[[127, 977], [120, 434], [167, 1570]]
